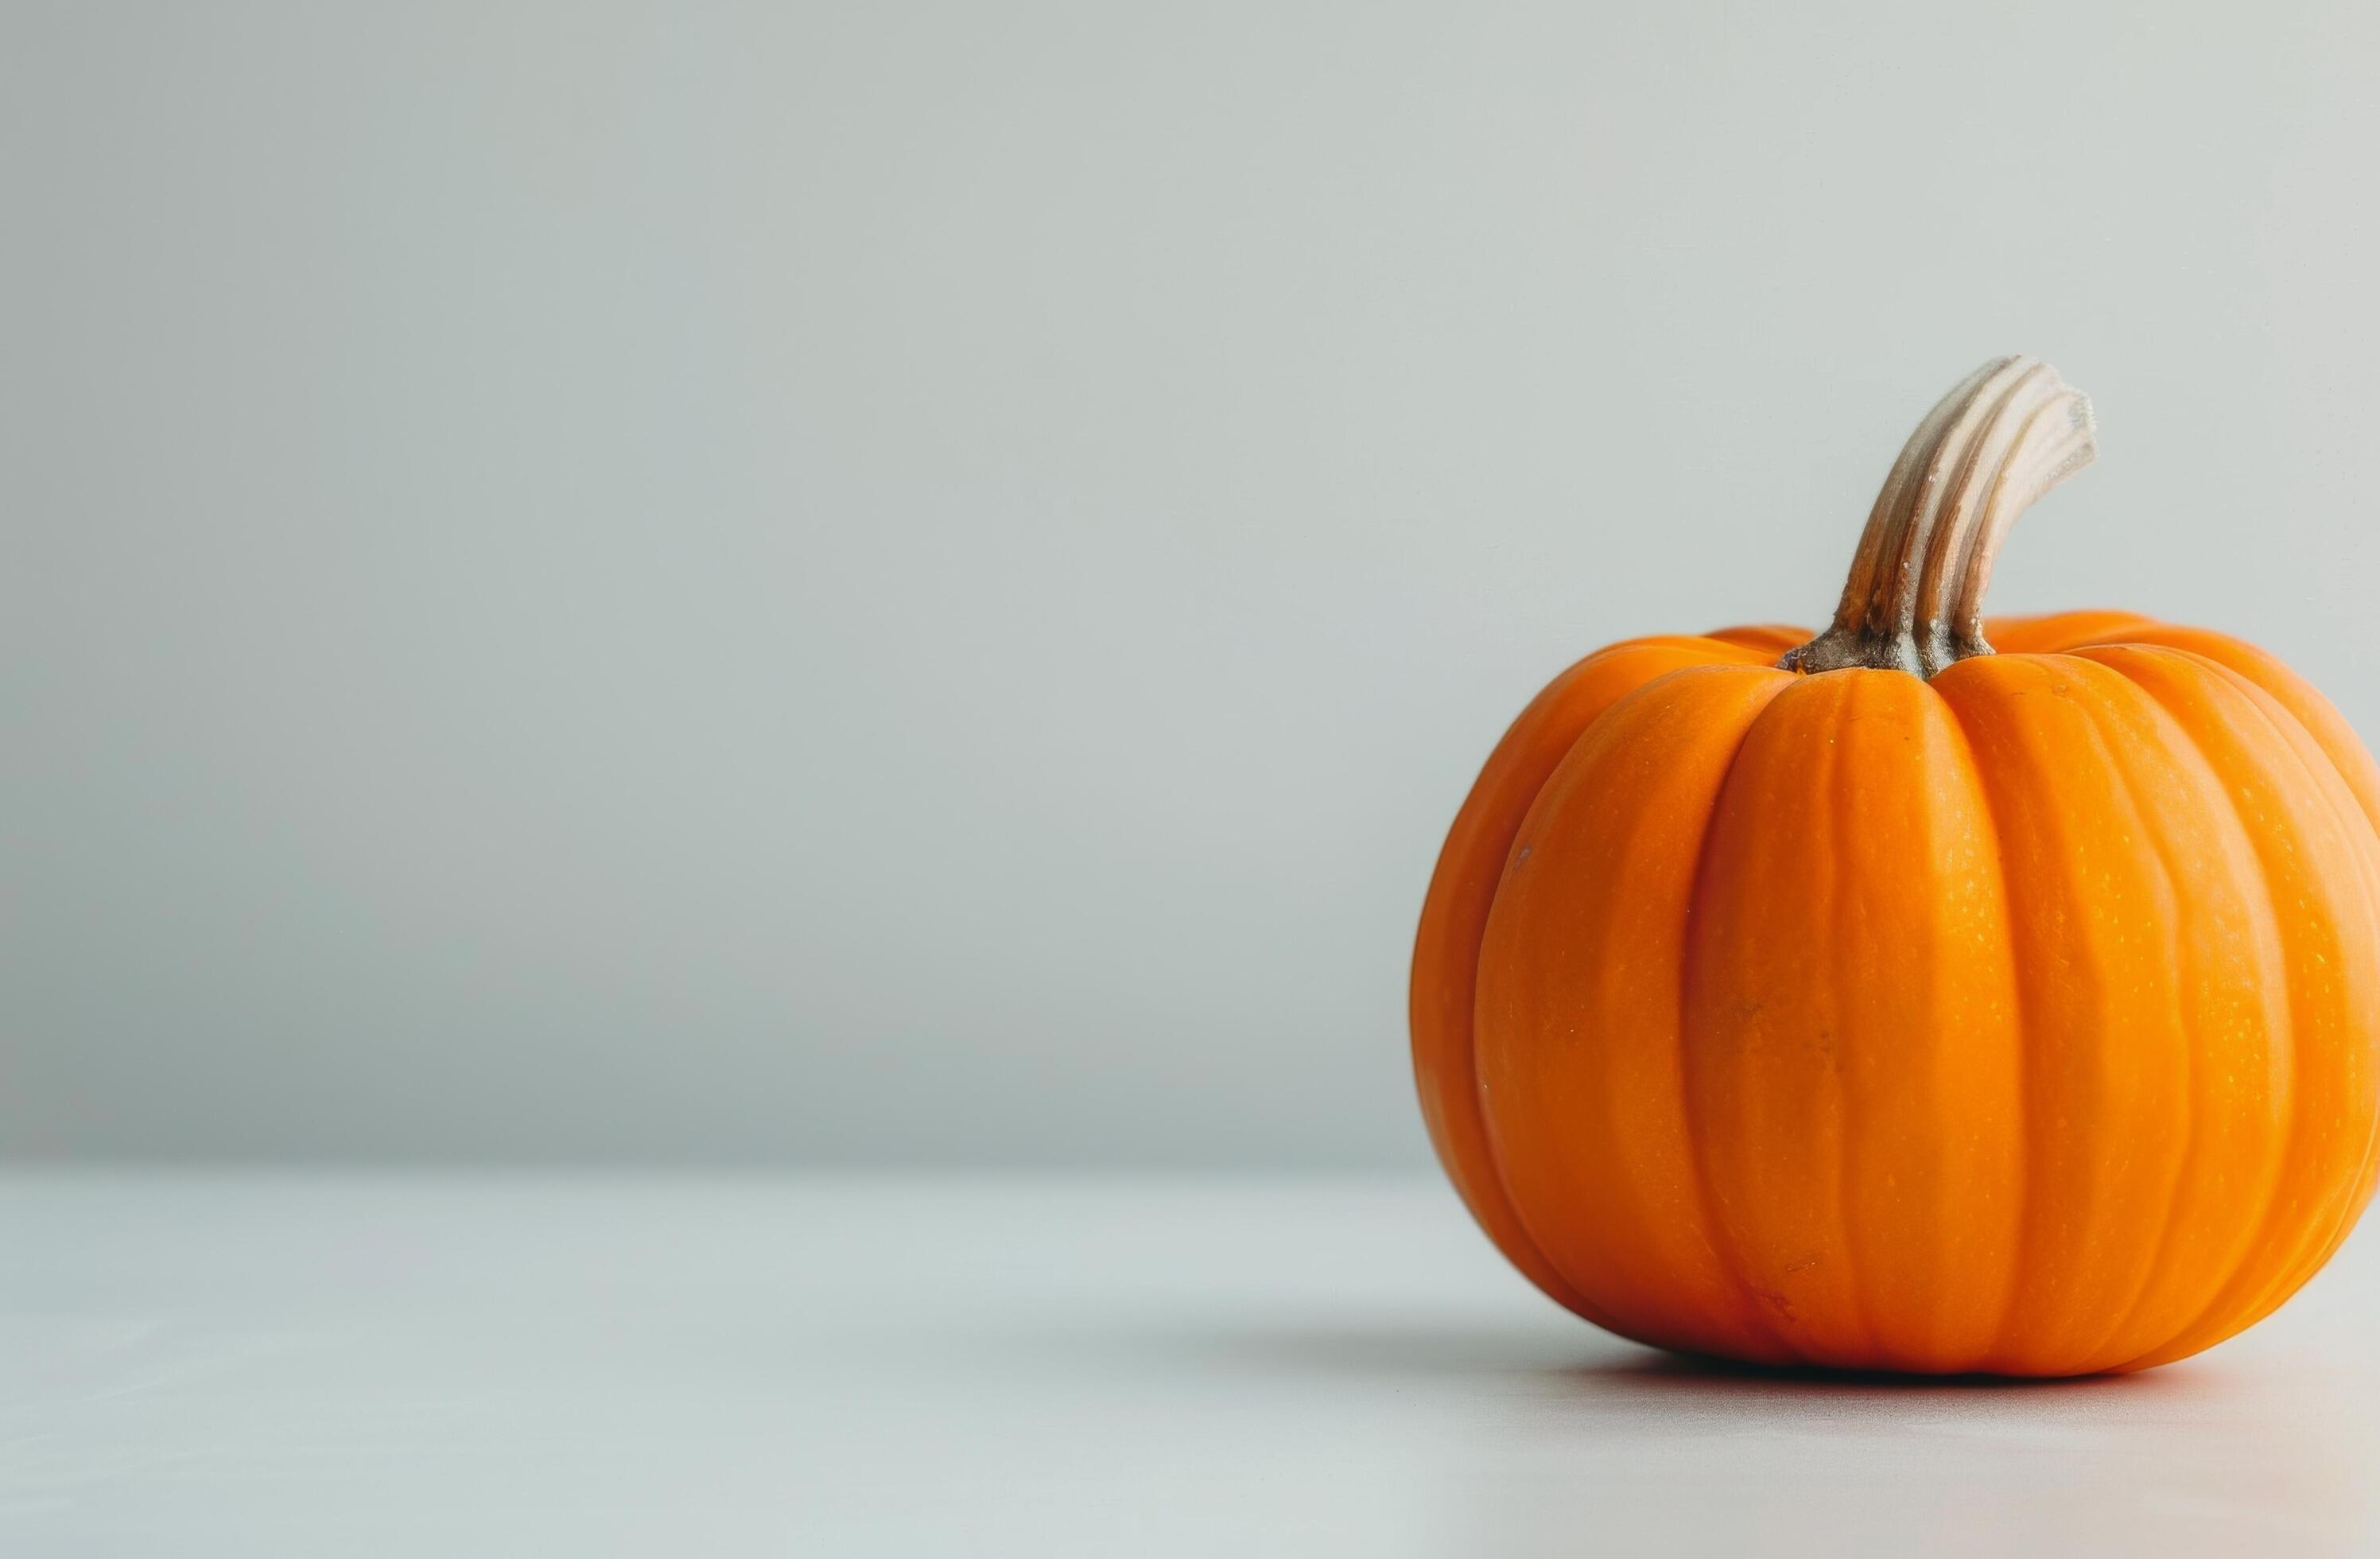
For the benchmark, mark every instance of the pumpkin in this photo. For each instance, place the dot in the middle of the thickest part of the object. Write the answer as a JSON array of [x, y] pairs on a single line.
[[1931, 995]]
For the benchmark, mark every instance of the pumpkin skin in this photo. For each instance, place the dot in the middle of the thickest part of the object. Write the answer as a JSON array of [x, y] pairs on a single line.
[[2021, 1020]]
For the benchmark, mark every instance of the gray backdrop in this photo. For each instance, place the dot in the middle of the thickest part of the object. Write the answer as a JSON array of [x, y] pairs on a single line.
[[888, 584]]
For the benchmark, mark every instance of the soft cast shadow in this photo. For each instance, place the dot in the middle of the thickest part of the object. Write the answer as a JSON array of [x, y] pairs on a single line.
[[1560, 1365], [1547, 1423]]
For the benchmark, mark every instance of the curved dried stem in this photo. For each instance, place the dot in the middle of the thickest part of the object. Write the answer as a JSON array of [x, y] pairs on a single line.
[[1913, 601]]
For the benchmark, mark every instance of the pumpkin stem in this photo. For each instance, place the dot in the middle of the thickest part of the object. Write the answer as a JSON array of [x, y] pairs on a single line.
[[2004, 435]]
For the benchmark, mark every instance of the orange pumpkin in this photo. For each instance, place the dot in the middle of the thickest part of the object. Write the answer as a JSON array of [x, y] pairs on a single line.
[[1883, 1001]]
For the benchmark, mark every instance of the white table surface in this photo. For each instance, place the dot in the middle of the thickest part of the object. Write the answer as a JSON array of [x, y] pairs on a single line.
[[448, 1365]]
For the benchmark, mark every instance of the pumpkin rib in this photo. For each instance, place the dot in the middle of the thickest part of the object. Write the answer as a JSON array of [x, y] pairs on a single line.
[[1749, 1299], [2188, 1170], [1992, 901], [1861, 1321], [1445, 1063], [2228, 1311], [1766, 1305], [2261, 895], [1608, 831], [2123, 663], [1461, 896], [2264, 972], [2019, 980], [1450, 1106], [2028, 1170], [2300, 740], [1752, 1299]]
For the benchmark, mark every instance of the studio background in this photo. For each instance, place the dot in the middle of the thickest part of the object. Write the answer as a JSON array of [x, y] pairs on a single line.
[[917, 585]]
